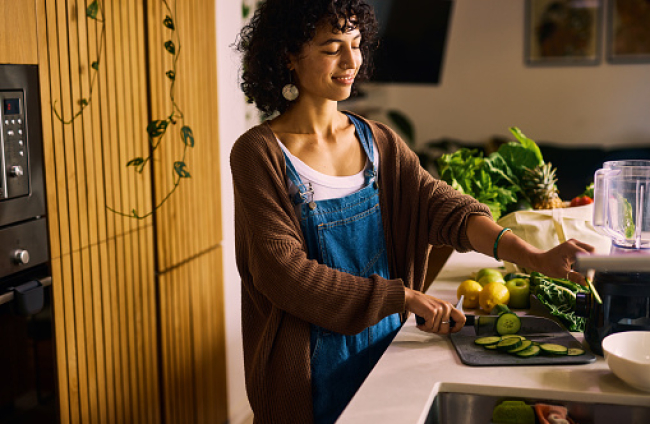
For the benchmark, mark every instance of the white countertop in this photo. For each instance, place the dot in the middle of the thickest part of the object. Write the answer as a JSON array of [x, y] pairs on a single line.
[[418, 365]]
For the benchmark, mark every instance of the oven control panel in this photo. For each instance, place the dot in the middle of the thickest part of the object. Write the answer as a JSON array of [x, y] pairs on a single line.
[[14, 180]]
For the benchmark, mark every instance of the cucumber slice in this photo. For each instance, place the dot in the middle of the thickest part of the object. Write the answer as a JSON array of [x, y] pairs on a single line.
[[529, 352], [508, 323], [525, 344], [575, 351], [484, 341], [553, 349], [508, 336], [509, 344], [490, 347]]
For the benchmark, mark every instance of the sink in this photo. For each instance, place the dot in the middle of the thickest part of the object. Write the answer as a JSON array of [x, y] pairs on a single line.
[[464, 408]]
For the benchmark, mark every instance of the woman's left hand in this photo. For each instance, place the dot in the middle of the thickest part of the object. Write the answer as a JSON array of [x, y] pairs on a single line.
[[558, 261]]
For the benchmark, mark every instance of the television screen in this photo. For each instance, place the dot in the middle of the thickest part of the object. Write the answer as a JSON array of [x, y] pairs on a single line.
[[412, 38]]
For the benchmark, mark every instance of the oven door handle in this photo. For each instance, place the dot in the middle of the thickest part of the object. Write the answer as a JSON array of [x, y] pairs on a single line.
[[29, 295]]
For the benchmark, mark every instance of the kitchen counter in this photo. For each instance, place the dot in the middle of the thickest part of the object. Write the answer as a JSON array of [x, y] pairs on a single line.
[[418, 365]]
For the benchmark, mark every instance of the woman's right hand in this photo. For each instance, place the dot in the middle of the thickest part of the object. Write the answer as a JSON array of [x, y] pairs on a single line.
[[435, 312]]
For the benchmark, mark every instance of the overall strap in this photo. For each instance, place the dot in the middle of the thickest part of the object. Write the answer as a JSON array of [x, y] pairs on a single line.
[[305, 193], [365, 135]]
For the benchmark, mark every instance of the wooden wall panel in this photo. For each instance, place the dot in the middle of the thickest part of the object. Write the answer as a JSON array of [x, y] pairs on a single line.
[[188, 226], [18, 33], [189, 223], [192, 343], [103, 264], [139, 338]]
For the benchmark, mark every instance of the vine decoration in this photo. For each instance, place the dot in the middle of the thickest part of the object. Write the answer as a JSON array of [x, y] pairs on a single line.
[[157, 128]]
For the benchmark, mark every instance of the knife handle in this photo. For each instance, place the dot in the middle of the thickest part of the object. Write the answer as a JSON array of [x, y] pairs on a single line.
[[420, 321]]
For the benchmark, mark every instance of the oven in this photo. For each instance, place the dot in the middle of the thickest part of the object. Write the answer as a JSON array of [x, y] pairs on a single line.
[[27, 351]]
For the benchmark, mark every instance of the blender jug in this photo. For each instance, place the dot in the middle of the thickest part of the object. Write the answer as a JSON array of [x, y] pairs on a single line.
[[622, 205]]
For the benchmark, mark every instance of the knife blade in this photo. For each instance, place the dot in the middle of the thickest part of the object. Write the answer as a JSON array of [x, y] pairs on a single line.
[[530, 326]]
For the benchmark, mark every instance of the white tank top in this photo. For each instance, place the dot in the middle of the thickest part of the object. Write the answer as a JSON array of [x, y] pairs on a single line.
[[326, 186]]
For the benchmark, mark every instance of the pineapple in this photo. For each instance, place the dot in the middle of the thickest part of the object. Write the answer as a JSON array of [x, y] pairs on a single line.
[[539, 186]]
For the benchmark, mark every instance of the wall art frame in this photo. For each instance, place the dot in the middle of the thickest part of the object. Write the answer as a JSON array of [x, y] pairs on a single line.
[[628, 31], [563, 32]]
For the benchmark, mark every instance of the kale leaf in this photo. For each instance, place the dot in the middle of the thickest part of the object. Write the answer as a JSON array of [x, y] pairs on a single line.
[[559, 296]]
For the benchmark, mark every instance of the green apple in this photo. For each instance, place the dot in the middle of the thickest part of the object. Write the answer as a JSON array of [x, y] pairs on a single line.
[[519, 289], [489, 275]]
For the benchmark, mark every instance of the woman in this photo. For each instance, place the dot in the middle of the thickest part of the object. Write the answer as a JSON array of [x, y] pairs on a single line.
[[334, 217]]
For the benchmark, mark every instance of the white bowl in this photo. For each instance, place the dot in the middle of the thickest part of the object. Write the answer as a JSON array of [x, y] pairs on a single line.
[[628, 356]]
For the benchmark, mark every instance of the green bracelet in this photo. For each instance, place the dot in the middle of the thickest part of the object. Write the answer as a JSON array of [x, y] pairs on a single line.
[[496, 243]]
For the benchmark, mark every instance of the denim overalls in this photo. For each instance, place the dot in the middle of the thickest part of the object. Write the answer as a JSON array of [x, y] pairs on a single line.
[[345, 234]]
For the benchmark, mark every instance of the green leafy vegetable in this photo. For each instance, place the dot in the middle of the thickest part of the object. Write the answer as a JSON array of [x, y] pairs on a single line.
[[470, 173], [559, 296], [493, 180], [530, 146]]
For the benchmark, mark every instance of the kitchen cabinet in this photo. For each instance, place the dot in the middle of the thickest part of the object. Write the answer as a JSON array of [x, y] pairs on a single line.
[[138, 304], [18, 32]]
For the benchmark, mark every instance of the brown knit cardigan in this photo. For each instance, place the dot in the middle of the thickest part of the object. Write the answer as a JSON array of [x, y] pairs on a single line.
[[283, 291]]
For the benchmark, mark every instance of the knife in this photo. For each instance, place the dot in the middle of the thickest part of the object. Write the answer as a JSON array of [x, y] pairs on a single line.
[[531, 326]]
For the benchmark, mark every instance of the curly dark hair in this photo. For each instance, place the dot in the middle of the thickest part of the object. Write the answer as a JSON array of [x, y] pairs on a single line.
[[280, 28]]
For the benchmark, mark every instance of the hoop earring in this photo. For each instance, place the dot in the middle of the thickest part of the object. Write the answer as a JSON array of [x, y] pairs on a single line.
[[290, 91]]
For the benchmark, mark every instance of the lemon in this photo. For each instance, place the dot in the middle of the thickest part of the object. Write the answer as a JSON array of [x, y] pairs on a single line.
[[471, 290], [493, 294]]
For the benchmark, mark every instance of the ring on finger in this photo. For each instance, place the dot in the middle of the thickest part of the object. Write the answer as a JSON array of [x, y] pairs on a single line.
[[444, 322]]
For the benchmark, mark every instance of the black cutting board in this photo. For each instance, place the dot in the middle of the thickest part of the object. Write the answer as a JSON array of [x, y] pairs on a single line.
[[474, 355]]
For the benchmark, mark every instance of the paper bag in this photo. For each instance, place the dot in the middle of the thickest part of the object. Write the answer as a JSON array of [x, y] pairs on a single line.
[[546, 229]]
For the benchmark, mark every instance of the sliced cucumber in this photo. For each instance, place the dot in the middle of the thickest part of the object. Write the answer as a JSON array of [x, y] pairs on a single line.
[[490, 347], [508, 336], [553, 349], [509, 344], [525, 344], [575, 351], [508, 323], [485, 341], [529, 352]]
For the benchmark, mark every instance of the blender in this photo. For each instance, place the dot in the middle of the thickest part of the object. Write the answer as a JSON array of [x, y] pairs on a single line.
[[622, 278], [622, 205]]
